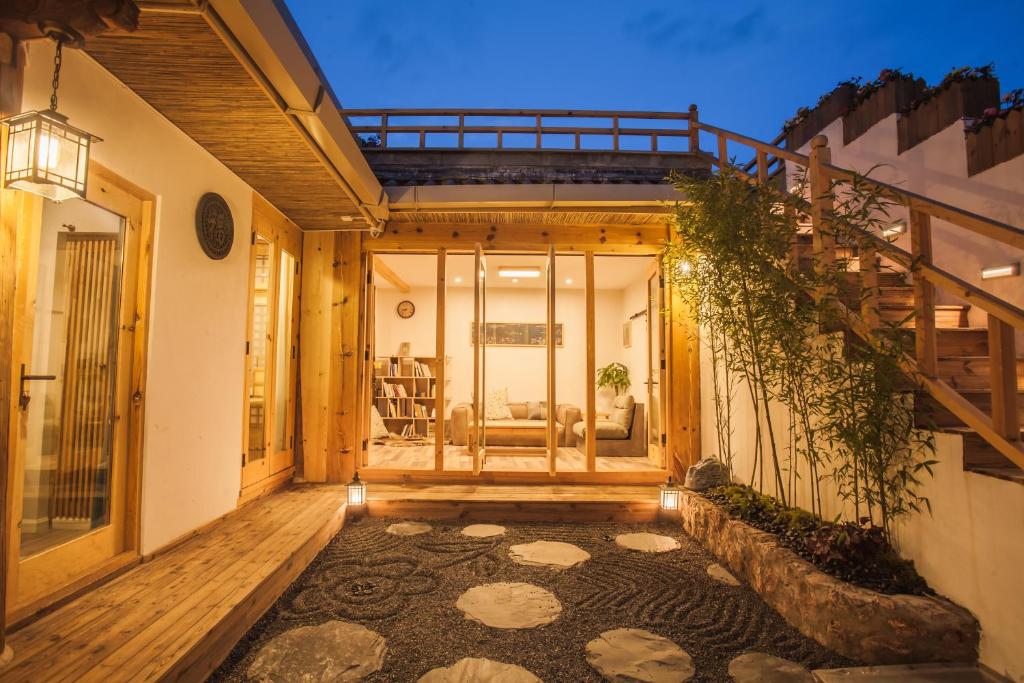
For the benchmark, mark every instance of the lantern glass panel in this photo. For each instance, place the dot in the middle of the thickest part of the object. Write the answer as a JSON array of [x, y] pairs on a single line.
[[356, 493], [46, 156], [669, 498]]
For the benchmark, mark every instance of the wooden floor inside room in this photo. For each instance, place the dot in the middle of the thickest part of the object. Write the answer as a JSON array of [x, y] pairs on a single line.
[[177, 616], [458, 458]]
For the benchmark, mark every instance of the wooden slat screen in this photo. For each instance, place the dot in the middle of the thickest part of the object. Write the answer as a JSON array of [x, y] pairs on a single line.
[[91, 269]]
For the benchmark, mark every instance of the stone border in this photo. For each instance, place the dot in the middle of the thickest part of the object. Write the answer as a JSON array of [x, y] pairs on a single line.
[[858, 623]]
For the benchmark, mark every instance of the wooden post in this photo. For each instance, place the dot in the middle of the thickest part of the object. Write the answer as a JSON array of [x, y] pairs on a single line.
[[499, 140], [423, 139], [347, 438], [823, 240], [694, 130], [869, 293], [319, 292], [1002, 352], [723, 152], [383, 131], [540, 142], [591, 436], [615, 133], [462, 129], [925, 343], [11, 69], [762, 167], [654, 142], [552, 397], [439, 351]]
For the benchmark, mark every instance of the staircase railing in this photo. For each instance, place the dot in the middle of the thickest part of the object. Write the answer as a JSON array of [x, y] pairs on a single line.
[[1001, 428]]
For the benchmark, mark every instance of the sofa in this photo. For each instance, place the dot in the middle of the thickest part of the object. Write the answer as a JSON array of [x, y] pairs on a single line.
[[622, 433], [528, 426]]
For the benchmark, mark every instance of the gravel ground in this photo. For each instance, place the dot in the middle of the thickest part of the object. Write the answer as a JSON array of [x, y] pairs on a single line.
[[405, 588]]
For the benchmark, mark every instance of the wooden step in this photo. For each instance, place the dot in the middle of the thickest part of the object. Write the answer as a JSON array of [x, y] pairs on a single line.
[[946, 315], [980, 457], [972, 373], [955, 341], [931, 412]]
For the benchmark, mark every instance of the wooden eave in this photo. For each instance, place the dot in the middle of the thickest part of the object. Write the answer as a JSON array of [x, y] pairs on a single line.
[[227, 92]]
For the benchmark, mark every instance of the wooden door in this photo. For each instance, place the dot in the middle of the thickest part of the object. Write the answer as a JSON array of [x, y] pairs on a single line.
[[655, 367], [258, 363], [80, 360], [478, 438]]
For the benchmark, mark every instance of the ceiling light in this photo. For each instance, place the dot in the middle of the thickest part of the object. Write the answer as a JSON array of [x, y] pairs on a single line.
[[515, 280], [518, 271], [568, 280], [1009, 270], [458, 279]]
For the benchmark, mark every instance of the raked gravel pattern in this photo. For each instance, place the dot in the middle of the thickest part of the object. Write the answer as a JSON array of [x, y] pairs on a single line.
[[406, 587]]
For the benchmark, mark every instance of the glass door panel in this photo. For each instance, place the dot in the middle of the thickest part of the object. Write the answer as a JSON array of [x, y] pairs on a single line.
[[285, 359], [655, 330], [479, 438], [259, 376], [68, 386]]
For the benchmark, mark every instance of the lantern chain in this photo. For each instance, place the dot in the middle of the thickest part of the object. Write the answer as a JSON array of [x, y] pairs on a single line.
[[56, 74]]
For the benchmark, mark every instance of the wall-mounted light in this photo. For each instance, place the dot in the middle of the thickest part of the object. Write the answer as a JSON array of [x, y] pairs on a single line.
[[356, 491], [46, 155], [684, 267], [895, 229], [1009, 270], [518, 271], [670, 495]]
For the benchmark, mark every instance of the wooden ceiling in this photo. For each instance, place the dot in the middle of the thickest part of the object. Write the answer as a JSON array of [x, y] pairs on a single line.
[[183, 69], [503, 217]]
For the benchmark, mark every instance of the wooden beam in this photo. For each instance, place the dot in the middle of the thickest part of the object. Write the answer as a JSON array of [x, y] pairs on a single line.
[[925, 339], [439, 351], [391, 276], [341, 463], [634, 239], [591, 427], [552, 396], [1002, 350], [319, 293]]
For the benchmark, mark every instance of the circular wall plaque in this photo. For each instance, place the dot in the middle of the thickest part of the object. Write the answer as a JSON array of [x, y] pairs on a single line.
[[215, 227]]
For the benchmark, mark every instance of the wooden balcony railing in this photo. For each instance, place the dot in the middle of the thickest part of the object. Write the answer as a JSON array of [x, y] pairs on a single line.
[[604, 131], [1001, 428]]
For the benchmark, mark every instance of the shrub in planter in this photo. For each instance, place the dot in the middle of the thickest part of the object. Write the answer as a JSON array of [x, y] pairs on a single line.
[[893, 91], [998, 135], [964, 93], [809, 121]]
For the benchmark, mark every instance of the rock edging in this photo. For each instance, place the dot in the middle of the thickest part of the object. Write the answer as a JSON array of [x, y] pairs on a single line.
[[871, 627]]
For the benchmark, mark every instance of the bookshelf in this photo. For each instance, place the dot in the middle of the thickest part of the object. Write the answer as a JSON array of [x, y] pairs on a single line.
[[405, 393]]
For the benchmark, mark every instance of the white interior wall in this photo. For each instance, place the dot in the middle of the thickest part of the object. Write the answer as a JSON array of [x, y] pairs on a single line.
[[522, 370], [193, 425]]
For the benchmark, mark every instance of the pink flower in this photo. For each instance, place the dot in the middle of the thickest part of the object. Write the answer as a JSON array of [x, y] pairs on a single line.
[[885, 74], [991, 112]]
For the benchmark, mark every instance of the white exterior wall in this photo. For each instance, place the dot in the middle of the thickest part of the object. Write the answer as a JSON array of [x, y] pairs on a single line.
[[191, 467], [970, 547]]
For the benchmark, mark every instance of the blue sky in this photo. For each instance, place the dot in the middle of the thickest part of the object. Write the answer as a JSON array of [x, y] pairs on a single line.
[[748, 65]]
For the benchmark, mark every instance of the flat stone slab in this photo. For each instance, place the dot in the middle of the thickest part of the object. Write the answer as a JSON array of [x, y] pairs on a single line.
[[509, 605], [904, 673], [477, 670], [627, 655], [483, 531], [647, 543], [722, 575], [553, 554], [758, 667], [332, 651], [408, 528]]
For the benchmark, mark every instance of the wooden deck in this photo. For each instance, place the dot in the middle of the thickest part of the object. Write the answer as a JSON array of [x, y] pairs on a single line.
[[177, 616]]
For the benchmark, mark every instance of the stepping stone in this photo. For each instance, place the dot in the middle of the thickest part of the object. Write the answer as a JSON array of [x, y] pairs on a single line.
[[647, 543], [758, 667], [627, 655], [408, 528], [332, 651], [509, 605], [722, 575], [483, 531], [548, 554], [476, 670]]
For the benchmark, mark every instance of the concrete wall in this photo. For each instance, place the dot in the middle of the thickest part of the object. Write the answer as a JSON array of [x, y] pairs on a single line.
[[192, 448]]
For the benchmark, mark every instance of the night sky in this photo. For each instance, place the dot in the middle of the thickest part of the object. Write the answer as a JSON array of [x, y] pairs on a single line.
[[748, 65]]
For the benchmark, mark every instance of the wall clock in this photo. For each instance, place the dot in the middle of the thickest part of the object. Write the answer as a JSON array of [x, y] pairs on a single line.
[[406, 309]]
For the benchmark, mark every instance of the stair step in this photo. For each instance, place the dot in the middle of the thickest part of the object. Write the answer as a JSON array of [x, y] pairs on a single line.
[[971, 373], [931, 412], [955, 341], [980, 457], [946, 315]]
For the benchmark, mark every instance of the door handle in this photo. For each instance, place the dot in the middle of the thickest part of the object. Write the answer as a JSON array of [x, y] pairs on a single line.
[[23, 397]]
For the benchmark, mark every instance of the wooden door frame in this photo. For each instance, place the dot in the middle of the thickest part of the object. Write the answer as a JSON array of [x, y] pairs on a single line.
[[136, 206], [420, 243], [283, 236]]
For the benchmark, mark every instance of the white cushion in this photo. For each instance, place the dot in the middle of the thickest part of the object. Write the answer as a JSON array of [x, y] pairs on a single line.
[[497, 405]]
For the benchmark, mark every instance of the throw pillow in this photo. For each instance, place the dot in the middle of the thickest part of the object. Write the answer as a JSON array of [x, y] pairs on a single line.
[[497, 405], [378, 430], [536, 410], [622, 411]]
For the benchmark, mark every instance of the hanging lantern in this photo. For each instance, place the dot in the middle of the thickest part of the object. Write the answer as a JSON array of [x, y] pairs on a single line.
[[46, 155], [356, 491], [670, 495]]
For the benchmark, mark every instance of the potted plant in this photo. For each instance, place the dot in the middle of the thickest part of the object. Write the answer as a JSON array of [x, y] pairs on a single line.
[[614, 376]]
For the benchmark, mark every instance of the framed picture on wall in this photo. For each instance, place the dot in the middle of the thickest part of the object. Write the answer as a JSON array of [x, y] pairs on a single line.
[[517, 334], [627, 334]]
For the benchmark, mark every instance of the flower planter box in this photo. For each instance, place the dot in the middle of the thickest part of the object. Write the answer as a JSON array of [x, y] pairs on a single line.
[[961, 99], [895, 96], [831, 108], [994, 143], [858, 623]]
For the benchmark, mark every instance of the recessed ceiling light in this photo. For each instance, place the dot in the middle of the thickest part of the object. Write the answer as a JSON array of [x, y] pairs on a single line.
[[518, 271], [568, 280], [515, 280], [458, 279], [346, 219]]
